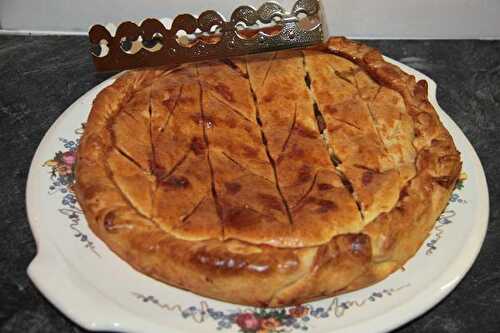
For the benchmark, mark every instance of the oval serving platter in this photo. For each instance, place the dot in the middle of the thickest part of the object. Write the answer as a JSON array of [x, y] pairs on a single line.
[[97, 290]]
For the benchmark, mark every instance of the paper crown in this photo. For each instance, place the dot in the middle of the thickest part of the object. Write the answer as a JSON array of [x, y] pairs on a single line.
[[191, 39]]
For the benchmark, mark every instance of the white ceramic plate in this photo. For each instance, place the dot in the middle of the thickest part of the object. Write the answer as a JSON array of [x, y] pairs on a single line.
[[99, 291]]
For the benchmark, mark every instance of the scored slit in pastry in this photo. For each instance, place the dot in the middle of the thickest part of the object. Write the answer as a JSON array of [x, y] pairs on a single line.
[[311, 173]]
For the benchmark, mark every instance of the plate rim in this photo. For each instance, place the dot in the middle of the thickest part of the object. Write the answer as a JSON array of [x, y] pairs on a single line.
[[84, 313]]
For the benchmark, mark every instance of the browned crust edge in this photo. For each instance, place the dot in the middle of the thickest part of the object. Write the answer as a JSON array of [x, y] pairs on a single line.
[[234, 271]]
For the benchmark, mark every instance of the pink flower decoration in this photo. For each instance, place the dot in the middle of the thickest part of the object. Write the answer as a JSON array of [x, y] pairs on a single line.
[[69, 158], [248, 321]]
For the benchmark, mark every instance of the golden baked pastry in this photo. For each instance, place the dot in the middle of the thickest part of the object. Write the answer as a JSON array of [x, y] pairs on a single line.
[[269, 180]]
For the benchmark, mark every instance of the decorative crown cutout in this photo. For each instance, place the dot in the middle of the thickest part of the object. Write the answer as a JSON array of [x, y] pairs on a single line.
[[191, 39]]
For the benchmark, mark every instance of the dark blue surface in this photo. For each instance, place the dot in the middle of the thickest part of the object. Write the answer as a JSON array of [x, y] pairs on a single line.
[[41, 76]]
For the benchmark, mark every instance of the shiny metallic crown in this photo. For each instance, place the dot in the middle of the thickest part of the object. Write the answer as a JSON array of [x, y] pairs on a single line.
[[191, 39]]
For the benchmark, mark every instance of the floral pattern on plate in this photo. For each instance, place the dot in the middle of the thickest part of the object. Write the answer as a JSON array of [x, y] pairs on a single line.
[[62, 176], [253, 320]]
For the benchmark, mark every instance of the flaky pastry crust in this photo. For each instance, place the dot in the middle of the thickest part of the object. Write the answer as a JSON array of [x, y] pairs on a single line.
[[311, 173]]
